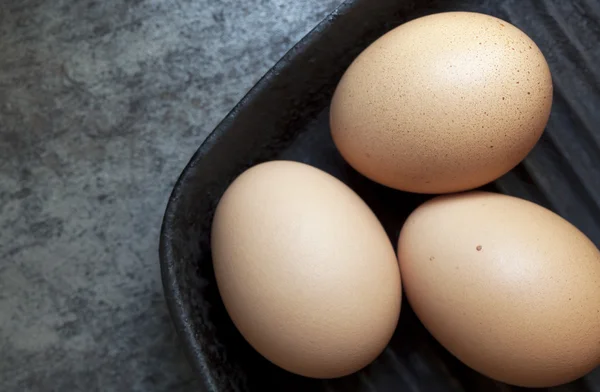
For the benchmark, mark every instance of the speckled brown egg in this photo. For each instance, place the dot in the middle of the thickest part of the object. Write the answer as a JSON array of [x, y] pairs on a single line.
[[443, 103], [508, 287], [305, 270]]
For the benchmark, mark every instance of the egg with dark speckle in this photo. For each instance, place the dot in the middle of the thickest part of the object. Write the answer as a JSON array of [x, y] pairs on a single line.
[[507, 286], [443, 103]]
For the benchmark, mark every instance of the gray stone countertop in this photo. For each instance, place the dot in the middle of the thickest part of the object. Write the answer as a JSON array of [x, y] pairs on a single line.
[[102, 103]]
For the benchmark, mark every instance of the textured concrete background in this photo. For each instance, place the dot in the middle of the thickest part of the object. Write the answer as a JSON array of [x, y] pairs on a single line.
[[102, 103]]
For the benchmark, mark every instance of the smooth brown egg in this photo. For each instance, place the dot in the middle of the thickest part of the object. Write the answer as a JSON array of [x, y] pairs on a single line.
[[443, 103], [305, 269], [508, 287]]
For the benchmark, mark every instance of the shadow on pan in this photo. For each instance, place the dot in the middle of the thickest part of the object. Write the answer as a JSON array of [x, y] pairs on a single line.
[[285, 117]]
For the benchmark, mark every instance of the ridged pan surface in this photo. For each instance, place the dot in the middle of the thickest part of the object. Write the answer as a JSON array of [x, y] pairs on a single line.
[[285, 116]]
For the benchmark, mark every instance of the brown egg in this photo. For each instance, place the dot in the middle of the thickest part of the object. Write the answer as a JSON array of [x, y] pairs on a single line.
[[508, 287], [443, 103], [305, 269]]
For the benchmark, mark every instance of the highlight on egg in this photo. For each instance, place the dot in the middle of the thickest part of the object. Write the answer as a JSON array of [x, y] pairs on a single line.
[[507, 286], [444, 103]]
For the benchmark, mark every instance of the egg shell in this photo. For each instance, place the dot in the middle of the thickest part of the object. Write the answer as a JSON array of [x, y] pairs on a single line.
[[305, 270], [507, 286], [443, 103]]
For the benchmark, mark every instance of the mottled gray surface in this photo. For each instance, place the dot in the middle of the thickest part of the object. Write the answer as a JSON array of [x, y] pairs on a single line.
[[102, 103]]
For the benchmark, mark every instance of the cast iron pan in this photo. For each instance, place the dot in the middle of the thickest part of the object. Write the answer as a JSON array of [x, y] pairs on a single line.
[[285, 116]]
